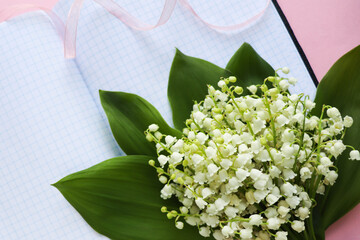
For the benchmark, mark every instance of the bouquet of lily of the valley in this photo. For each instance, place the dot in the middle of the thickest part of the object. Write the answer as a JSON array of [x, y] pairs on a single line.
[[246, 160]]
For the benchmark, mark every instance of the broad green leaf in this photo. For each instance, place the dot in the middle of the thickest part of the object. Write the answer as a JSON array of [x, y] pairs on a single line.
[[189, 78], [129, 116], [340, 88], [249, 68], [120, 198], [188, 81]]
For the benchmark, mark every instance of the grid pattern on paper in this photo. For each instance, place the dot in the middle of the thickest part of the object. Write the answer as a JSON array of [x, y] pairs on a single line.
[[50, 125], [115, 57]]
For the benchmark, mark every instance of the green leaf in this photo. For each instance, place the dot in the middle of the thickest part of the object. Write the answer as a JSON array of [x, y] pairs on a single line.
[[340, 88], [249, 68], [188, 81], [120, 198], [129, 116], [189, 78]]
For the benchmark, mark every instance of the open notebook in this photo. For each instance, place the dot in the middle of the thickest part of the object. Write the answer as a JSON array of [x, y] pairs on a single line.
[[51, 121]]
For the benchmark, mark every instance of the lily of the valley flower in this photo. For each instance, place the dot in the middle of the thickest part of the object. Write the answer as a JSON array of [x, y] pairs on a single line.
[[248, 165]]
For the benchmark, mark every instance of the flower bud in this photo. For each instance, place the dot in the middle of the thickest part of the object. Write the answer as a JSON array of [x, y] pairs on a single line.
[[158, 135], [321, 189], [273, 92], [188, 121], [151, 163], [180, 180], [219, 117], [264, 88], [277, 80], [184, 210], [221, 83], [219, 140], [348, 121], [252, 89], [153, 127], [169, 215], [284, 85], [193, 147], [229, 108], [216, 110], [269, 137], [163, 179], [163, 209], [292, 81], [149, 137], [232, 79], [309, 104], [239, 90], [271, 79], [285, 70], [263, 141], [179, 225]]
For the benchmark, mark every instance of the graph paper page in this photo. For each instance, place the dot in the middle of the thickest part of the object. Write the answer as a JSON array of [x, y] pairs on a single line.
[[114, 57], [49, 127]]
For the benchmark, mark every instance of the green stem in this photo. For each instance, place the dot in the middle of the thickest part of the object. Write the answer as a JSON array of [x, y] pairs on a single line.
[[311, 227], [301, 143], [315, 187], [306, 235], [320, 129], [324, 198], [267, 104], [233, 99], [159, 142], [250, 129]]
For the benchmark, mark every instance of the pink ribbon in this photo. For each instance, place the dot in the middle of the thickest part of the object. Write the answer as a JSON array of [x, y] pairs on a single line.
[[186, 4], [116, 10], [12, 11], [68, 33]]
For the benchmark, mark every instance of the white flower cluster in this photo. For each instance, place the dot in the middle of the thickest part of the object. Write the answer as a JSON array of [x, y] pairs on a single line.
[[249, 166]]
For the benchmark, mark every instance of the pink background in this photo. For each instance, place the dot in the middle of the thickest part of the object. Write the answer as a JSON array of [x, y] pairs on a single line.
[[43, 3], [326, 29]]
